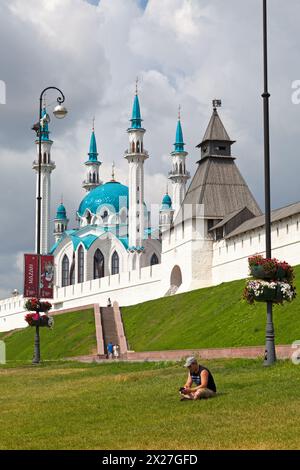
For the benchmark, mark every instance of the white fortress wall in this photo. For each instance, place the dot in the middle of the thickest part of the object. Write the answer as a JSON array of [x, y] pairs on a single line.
[[126, 288], [230, 256]]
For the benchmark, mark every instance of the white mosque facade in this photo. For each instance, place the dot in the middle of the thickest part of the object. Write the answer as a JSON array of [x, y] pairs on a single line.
[[207, 229]]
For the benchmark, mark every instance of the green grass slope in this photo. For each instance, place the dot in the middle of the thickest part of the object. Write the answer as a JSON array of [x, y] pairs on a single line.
[[136, 406], [207, 318], [73, 334]]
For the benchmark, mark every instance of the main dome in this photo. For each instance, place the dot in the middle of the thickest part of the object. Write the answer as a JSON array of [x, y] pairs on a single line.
[[111, 194]]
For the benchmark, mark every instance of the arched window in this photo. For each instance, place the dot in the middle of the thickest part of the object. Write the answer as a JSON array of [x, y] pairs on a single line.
[[137, 147], [98, 264], [104, 216], [180, 168], [141, 146], [88, 218], [72, 271], [115, 263], [154, 259], [65, 271], [94, 178], [80, 264], [45, 157], [133, 147]]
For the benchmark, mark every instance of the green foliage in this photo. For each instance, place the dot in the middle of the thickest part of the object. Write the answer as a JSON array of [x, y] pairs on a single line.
[[206, 318], [136, 406], [73, 335]]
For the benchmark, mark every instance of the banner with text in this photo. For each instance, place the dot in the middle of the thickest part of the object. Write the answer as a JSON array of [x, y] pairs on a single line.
[[31, 264]]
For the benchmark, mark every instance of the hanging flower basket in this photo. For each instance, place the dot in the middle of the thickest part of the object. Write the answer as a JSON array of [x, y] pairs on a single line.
[[270, 268], [264, 291], [34, 319], [258, 271], [35, 305]]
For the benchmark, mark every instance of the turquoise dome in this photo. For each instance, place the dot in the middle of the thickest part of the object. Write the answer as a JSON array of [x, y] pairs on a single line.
[[107, 194], [166, 202], [61, 212]]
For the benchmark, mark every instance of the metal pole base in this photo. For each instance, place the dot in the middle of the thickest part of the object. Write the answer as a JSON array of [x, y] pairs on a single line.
[[37, 355], [270, 353]]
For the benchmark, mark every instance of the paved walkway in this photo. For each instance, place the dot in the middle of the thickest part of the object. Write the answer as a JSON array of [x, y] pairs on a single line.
[[248, 352]]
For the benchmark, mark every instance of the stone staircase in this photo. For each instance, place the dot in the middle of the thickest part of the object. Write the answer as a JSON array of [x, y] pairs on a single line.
[[109, 328]]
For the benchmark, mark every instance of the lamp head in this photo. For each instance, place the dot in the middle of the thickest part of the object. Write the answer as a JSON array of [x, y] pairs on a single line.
[[60, 111]]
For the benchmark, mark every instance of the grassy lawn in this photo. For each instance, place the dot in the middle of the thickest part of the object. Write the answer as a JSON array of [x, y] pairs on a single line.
[[206, 318], [73, 334], [136, 406]]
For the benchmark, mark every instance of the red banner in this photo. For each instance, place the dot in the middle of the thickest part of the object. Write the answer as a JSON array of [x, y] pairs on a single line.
[[47, 277], [31, 275]]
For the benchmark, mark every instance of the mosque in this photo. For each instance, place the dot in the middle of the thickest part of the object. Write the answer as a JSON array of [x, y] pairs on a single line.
[[206, 230]]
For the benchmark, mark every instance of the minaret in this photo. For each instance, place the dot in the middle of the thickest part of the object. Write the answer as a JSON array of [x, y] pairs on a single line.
[[136, 155], [178, 175], [92, 165], [47, 166], [165, 213], [60, 222]]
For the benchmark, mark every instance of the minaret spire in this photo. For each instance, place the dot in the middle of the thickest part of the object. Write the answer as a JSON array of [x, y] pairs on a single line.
[[113, 171], [136, 155], [92, 164], [136, 85], [178, 175]]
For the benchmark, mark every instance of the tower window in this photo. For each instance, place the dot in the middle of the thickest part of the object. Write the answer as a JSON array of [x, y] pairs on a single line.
[[133, 147], [115, 263], [98, 264], [104, 216], [154, 259], [65, 271], [89, 218], [138, 147], [80, 264]]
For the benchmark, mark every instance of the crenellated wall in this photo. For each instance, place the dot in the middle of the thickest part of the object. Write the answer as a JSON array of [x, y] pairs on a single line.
[[230, 256], [126, 288]]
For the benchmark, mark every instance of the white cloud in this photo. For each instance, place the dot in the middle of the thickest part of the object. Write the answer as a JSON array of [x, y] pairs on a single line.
[[184, 51]]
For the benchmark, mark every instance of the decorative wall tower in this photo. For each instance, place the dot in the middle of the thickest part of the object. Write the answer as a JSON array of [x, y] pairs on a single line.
[[60, 222], [165, 213], [47, 166], [178, 175], [216, 142], [92, 165], [136, 155]]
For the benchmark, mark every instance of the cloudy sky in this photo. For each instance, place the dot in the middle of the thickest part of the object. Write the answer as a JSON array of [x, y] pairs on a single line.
[[183, 51]]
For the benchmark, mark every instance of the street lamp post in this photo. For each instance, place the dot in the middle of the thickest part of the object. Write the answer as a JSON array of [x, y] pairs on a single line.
[[59, 112], [270, 354]]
